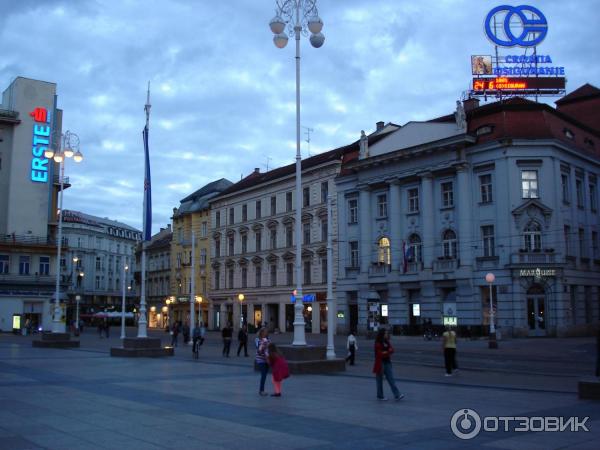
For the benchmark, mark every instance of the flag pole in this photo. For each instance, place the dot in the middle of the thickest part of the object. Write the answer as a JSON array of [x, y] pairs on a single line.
[[147, 220]]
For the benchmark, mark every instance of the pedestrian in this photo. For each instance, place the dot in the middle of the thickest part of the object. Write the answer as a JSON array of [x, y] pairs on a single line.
[[383, 365], [279, 369], [202, 332], [351, 346], [261, 358], [186, 333], [243, 340], [227, 334], [449, 346], [196, 338], [100, 328], [174, 334], [107, 327]]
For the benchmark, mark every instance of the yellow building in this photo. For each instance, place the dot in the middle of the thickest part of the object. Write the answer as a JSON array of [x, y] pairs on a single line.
[[193, 215]]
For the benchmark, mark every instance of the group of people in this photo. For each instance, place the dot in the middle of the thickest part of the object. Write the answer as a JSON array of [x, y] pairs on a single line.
[[196, 336], [267, 355]]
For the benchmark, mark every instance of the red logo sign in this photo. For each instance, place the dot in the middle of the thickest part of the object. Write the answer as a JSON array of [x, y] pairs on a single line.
[[39, 114]]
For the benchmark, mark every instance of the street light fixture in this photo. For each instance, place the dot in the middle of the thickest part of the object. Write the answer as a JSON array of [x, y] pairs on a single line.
[[493, 343], [123, 283], [300, 16], [241, 299], [63, 147]]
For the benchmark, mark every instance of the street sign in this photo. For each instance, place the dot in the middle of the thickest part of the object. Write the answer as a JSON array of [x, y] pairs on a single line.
[[306, 298]]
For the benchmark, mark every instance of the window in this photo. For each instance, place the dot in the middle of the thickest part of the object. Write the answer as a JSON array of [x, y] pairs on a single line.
[[306, 233], [382, 205], [98, 263], [289, 236], [581, 236], [413, 200], [594, 244], [579, 191], [447, 194], [217, 279], [564, 180], [288, 201], [323, 270], [244, 243], [567, 237], [289, 274], [273, 239], [44, 265], [529, 183], [217, 251], [230, 278], [258, 276], [306, 196], [415, 252], [324, 230], [218, 219], [593, 197], [273, 205], [307, 272], [353, 211], [204, 230], [202, 257], [244, 212], [324, 191], [449, 244], [97, 282], [532, 236], [4, 264], [384, 253], [257, 241], [487, 236], [273, 275], [258, 209], [353, 249], [230, 242], [231, 216]]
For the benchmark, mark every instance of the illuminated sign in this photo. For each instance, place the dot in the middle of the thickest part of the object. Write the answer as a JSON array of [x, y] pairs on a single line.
[[528, 65], [537, 273], [416, 309], [384, 310], [481, 65], [306, 298], [41, 141], [524, 31], [515, 85]]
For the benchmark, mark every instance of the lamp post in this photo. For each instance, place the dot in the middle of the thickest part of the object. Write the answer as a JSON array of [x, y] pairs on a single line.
[[77, 327], [490, 278], [193, 287], [124, 283], [299, 16], [330, 300], [241, 299], [63, 146]]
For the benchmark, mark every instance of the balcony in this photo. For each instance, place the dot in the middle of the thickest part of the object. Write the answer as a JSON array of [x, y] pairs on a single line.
[[379, 270], [533, 258], [414, 267], [27, 279], [445, 265], [352, 272], [487, 262], [28, 240]]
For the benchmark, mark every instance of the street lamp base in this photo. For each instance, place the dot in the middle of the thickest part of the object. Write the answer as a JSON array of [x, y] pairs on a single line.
[[493, 343]]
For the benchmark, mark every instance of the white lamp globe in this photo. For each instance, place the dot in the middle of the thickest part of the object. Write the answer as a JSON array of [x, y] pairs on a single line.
[[317, 39], [277, 25], [78, 157], [58, 157], [490, 277], [315, 24], [68, 152], [49, 153], [280, 40]]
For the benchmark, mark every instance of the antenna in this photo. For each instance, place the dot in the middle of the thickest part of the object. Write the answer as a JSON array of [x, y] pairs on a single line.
[[307, 132], [268, 159]]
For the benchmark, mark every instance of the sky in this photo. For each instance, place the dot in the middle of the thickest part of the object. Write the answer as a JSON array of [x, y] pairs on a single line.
[[223, 96]]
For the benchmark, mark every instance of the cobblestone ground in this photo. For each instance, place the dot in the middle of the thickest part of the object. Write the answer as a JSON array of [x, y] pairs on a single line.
[[84, 399]]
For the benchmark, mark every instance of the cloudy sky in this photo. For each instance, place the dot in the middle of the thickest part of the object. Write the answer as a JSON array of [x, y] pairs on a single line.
[[223, 96]]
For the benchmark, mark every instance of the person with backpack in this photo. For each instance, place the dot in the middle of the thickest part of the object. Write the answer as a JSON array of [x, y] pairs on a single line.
[[261, 359], [279, 369]]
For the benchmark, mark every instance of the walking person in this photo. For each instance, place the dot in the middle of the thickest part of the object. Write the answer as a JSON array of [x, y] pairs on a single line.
[[243, 340], [261, 358], [186, 333], [174, 334], [279, 369], [351, 346], [107, 327], [449, 346], [196, 340], [100, 328], [227, 334], [383, 365]]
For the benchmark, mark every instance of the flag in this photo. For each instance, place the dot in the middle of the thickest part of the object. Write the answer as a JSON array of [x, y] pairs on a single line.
[[147, 189], [407, 253]]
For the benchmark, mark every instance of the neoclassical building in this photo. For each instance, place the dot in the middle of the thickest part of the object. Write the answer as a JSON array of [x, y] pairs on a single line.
[[509, 188]]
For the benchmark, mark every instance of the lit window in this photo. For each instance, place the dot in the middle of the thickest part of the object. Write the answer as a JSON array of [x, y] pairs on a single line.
[[384, 251], [529, 183]]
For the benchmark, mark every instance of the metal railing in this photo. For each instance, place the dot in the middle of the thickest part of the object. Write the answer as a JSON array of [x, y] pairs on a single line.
[[9, 113], [26, 239], [533, 258], [445, 265]]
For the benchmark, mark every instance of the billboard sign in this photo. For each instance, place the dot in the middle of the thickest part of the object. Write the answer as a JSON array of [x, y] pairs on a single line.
[[510, 26]]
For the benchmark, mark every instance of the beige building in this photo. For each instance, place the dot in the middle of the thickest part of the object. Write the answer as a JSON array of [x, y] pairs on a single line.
[[193, 214]]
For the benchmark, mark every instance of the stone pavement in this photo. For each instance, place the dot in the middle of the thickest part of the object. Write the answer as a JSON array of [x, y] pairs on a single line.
[[84, 399]]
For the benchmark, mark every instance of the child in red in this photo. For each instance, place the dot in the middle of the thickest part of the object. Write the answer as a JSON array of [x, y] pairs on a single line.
[[279, 369]]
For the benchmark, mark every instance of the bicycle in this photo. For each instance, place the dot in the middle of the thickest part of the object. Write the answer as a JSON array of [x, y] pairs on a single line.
[[196, 347]]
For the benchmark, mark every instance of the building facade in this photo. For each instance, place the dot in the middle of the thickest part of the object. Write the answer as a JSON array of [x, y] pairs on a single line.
[[427, 212], [193, 215], [29, 185]]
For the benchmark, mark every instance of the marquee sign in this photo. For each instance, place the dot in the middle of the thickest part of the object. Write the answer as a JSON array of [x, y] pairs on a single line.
[[537, 273], [41, 141], [518, 85]]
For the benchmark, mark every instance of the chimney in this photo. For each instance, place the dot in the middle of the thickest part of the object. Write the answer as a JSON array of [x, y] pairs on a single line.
[[380, 125], [257, 170], [470, 104], [169, 226]]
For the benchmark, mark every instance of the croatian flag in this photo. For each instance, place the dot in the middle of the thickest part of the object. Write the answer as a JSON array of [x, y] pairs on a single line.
[[147, 189], [407, 253]]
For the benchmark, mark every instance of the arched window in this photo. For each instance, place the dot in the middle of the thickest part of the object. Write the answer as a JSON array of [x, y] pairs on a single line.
[[384, 251], [415, 249], [449, 244], [532, 236]]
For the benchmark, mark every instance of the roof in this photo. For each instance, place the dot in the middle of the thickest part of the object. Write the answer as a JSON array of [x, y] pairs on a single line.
[[198, 200], [94, 221], [582, 93]]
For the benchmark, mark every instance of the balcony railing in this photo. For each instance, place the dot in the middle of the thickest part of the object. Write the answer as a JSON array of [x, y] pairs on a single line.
[[26, 239], [533, 258], [27, 279], [379, 270], [445, 265], [414, 267], [352, 272]]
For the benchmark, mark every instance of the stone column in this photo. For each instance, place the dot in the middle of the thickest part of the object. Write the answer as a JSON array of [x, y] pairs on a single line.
[[394, 211], [223, 314], [427, 217], [464, 203], [211, 313], [366, 238]]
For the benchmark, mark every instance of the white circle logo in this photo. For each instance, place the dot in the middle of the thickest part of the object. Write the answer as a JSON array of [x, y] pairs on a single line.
[[465, 424]]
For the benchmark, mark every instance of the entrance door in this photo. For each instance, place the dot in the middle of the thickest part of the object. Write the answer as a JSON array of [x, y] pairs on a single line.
[[353, 311], [536, 315]]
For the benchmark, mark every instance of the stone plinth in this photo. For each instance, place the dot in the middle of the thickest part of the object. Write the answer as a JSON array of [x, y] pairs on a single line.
[[55, 340], [589, 389], [142, 347], [310, 359]]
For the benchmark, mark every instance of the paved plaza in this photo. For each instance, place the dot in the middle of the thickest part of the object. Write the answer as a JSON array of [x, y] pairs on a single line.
[[84, 399]]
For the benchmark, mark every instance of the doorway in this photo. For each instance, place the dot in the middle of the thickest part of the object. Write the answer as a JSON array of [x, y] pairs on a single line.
[[536, 311]]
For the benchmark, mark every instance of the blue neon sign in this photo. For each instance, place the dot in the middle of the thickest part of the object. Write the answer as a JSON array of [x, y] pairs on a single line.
[[41, 141], [534, 28]]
